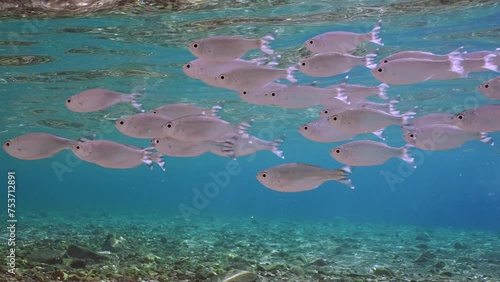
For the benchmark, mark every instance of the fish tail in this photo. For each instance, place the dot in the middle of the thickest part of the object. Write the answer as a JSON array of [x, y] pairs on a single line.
[[485, 138], [290, 74], [407, 117], [139, 93], [375, 36], [158, 159], [489, 64], [343, 176], [274, 60], [379, 134], [340, 90], [264, 43], [214, 111], [228, 147], [382, 89], [276, 149], [456, 64], [392, 104], [405, 156], [244, 126], [370, 60]]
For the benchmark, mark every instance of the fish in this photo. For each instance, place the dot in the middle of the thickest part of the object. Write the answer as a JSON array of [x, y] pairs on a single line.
[[254, 76], [369, 153], [199, 128], [443, 137], [99, 99], [258, 95], [388, 107], [35, 146], [480, 119], [246, 144], [366, 120], [357, 93], [491, 88], [330, 64], [174, 111], [223, 48], [410, 70], [208, 69], [143, 125], [298, 177], [342, 41], [431, 119], [177, 148], [321, 130], [420, 55], [296, 96], [481, 61], [111, 154]]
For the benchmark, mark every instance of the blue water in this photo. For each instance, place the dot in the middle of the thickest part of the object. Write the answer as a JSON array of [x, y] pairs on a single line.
[[119, 51]]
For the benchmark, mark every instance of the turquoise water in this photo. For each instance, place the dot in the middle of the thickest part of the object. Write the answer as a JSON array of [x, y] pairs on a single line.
[[46, 59]]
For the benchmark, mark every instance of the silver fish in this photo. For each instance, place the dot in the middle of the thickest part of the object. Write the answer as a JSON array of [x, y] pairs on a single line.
[[479, 119], [223, 48], [491, 88], [408, 71], [297, 177], [388, 107], [174, 111], [143, 125], [366, 120], [208, 69], [199, 128], [111, 154], [296, 96], [99, 99], [369, 153], [330, 64], [254, 76], [342, 41], [321, 130], [431, 119], [177, 148], [34, 146], [420, 55], [442, 137]]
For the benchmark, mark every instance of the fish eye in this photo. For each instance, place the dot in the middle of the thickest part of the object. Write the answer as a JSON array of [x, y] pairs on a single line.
[[337, 151], [305, 127], [325, 112], [460, 117], [273, 94], [411, 135], [121, 122], [155, 112], [385, 61], [195, 45], [264, 175], [7, 144], [334, 118], [168, 125], [380, 70], [77, 147], [303, 64], [157, 141], [311, 41], [222, 77], [244, 93], [69, 100], [486, 86], [188, 66]]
